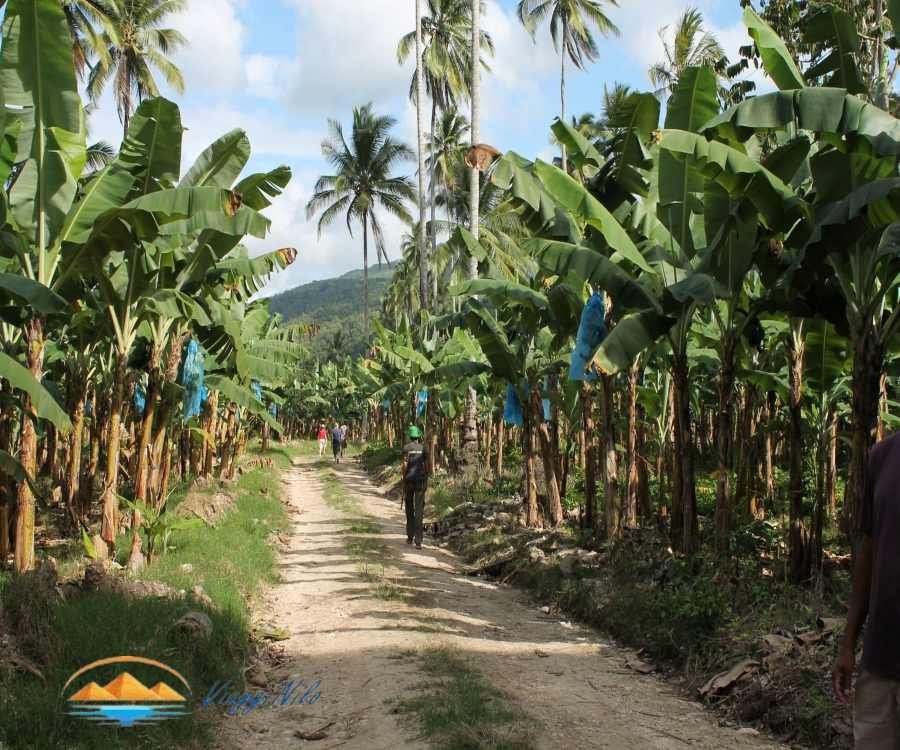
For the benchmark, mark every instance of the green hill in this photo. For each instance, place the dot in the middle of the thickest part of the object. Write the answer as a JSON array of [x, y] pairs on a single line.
[[335, 305]]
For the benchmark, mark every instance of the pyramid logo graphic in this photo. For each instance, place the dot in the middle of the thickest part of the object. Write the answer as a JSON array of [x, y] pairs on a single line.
[[125, 701]]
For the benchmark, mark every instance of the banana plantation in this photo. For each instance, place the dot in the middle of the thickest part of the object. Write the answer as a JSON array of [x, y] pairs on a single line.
[[133, 351], [691, 327], [681, 334]]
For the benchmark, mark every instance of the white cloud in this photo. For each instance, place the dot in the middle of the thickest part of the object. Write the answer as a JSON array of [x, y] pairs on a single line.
[[347, 51], [213, 58]]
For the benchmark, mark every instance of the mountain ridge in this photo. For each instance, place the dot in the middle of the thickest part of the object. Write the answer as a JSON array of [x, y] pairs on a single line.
[[334, 305]]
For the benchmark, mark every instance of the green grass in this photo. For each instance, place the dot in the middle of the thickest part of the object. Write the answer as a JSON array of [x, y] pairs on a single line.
[[232, 561], [458, 709]]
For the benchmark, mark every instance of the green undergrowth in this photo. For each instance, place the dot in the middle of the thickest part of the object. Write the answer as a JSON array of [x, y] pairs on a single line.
[[232, 561], [458, 709], [378, 455]]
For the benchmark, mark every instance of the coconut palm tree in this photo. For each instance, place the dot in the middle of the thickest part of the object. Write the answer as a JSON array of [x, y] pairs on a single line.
[[690, 46], [445, 56], [420, 152], [363, 182], [133, 45], [469, 428], [444, 156], [570, 27]]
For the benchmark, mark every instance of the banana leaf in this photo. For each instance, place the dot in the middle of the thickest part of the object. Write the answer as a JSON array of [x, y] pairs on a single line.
[[773, 52], [220, 163], [45, 406]]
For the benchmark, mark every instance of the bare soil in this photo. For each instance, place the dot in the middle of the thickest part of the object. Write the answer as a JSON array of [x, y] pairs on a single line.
[[356, 626]]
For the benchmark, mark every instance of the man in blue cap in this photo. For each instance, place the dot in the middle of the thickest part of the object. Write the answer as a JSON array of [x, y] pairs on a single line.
[[415, 481]]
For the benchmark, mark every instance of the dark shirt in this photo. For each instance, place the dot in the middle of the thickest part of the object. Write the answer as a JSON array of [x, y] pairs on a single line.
[[880, 519], [416, 463], [336, 436]]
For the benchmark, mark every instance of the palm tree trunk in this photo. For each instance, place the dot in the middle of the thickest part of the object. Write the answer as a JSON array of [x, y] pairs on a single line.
[[469, 436], [420, 135], [433, 202], [562, 88], [366, 276], [34, 355], [880, 94]]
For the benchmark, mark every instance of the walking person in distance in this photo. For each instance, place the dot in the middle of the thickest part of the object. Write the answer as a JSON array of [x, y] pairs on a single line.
[[336, 442], [415, 481], [323, 439]]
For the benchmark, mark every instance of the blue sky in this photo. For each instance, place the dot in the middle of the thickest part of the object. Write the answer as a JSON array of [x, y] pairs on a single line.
[[280, 68]]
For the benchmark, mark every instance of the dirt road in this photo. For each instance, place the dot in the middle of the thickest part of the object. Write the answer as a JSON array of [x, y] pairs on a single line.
[[354, 621]]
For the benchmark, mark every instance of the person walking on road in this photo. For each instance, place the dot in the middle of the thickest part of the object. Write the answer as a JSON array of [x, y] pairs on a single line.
[[345, 433], [323, 439], [876, 602], [336, 442], [415, 481]]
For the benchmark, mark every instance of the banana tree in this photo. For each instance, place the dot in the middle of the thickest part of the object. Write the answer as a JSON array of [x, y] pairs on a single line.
[[837, 254]]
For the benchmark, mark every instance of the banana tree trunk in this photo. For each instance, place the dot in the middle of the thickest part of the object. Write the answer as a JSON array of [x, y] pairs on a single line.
[[110, 498], [831, 470], [88, 481], [501, 439], [7, 489], [723, 442], [76, 440], [769, 453], [590, 460], [868, 363], [142, 474], [209, 454], [613, 508], [230, 448], [548, 458], [532, 515], [487, 453], [34, 356], [797, 535], [631, 488], [684, 498]]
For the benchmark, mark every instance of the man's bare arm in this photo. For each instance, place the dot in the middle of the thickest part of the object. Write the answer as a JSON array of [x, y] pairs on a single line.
[[842, 672]]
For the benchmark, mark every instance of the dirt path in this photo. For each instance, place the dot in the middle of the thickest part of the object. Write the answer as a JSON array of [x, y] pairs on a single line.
[[356, 636]]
